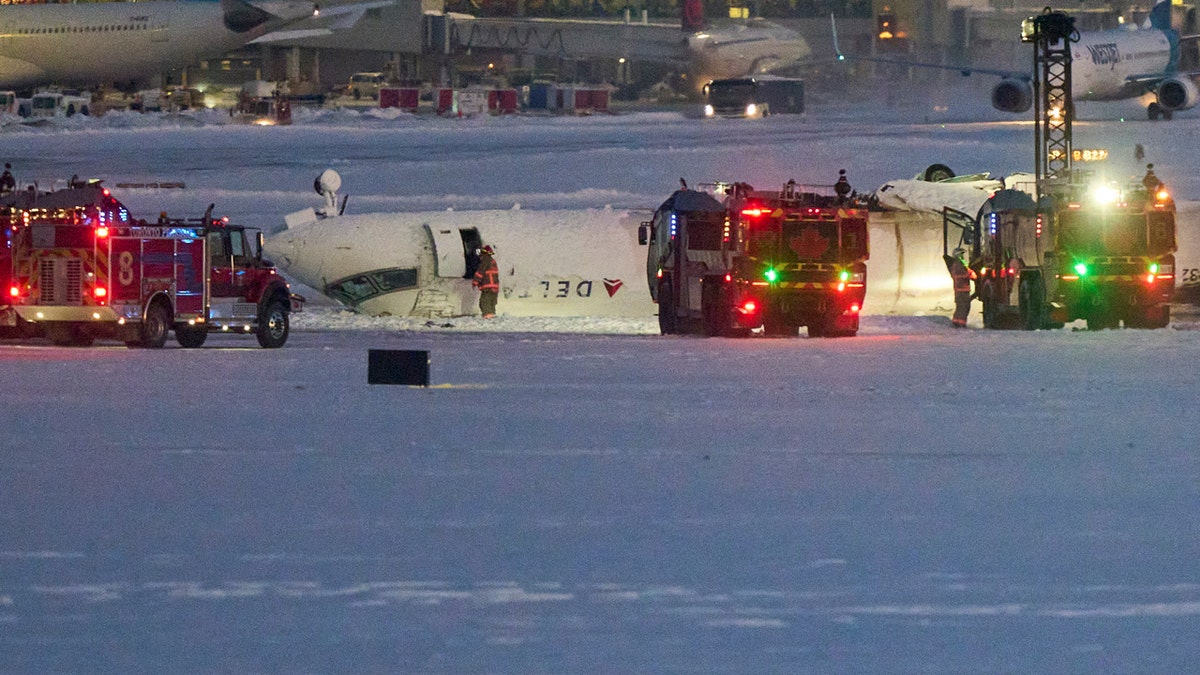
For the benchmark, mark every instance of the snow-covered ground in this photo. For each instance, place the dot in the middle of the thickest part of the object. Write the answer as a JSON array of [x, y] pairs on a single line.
[[581, 495]]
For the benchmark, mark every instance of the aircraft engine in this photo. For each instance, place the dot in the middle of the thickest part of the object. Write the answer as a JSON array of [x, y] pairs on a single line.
[[1012, 95], [327, 184], [1178, 93]]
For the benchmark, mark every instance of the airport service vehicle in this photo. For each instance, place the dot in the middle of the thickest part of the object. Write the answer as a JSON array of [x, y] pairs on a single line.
[[758, 96], [1105, 255], [79, 267], [366, 84], [779, 259], [60, 104]]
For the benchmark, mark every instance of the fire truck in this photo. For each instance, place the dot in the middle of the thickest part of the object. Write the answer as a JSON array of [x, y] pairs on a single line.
[[1105, 255], [1085, 248], [77, 267], [775, 259]]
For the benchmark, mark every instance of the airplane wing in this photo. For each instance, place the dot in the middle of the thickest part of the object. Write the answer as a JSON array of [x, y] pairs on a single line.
[[347, 16], [280, 35], [966, 71]]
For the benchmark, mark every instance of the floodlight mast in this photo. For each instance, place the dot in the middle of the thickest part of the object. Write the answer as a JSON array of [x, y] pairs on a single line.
[[1053, 109]]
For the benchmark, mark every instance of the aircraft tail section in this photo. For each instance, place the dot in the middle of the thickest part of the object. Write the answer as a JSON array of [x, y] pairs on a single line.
[[692, 12], [1160, 16], [241, 17]]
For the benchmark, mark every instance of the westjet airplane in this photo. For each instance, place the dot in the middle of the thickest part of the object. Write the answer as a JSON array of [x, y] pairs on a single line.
[[1107, 65], [101, 42]]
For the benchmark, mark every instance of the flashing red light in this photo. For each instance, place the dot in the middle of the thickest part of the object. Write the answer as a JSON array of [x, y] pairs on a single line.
[[841, 286], [1150, 278], [100, 292], [101, 232], [225, 220], [749, 306], [106, 192], [14, 291], [728, 278], [753, 213], [854, 309]]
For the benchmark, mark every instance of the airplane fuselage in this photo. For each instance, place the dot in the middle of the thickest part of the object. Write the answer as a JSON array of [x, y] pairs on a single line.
[[110, 41], [552, 263], [745, 48], [1104, 62]]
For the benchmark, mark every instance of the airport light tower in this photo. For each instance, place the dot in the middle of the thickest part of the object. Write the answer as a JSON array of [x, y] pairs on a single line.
[[1051, 34]]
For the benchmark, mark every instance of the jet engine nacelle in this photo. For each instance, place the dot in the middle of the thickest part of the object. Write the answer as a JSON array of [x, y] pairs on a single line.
[[1012, 95], [1178, 93]]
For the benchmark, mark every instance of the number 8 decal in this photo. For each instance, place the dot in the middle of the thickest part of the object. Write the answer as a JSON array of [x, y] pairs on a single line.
[[125, 263]]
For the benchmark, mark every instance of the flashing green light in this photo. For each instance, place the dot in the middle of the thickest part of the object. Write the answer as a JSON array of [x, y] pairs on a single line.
[[1081, 269], [844, 276], [1153, 268], [771, 275]]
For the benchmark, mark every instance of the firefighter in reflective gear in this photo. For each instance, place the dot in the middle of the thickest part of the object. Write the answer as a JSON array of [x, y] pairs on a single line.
[[487, 280], [962, 287], [8, 183]]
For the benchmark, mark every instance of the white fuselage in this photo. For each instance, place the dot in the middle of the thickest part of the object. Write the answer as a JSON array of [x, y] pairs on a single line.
[[552, 263], [1102, 63], [746, 48], [109, 41]]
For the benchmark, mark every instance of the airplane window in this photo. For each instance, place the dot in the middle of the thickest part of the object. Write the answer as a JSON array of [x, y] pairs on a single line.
[[394, 280], [361, 287]]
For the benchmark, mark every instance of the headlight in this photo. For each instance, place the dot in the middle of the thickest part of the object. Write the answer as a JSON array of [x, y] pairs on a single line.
[[751, 110], [708, 110]]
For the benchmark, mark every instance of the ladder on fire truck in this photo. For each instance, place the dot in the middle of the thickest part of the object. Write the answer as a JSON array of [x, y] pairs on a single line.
[[1051, 34]]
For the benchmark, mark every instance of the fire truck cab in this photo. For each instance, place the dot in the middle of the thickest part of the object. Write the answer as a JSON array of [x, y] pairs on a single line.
[[775, 259], [80, 267], [1105, 255]]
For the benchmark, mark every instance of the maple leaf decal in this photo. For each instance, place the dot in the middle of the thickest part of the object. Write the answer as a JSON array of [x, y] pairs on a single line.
[[810, 245]]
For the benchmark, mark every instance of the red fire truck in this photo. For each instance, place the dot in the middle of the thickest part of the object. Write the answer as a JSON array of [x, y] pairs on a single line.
[[78, 266], [779, 259]]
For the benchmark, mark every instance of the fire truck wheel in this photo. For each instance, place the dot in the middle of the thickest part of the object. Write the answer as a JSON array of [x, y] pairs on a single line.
[[154, 330], [274, 325], [1101, 320], [1032, 302], [666, 307], [190, 336], [990, 314], [775, 325]]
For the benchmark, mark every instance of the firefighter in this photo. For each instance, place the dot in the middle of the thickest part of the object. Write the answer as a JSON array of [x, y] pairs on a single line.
[[1151, 181], [7, 183], [962, 287], [487, 280], [842, 186]]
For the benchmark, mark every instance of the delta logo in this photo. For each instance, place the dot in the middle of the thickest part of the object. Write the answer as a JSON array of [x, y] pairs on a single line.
[[612, 286]]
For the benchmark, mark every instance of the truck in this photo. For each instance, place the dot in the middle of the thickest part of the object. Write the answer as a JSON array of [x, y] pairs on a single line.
[[1104, 255], [66, 103], [78, 266], [757, 96], [729, 260]]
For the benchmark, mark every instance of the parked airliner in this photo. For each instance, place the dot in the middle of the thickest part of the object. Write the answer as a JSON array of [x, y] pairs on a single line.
[[1107, 65], [106, 42]]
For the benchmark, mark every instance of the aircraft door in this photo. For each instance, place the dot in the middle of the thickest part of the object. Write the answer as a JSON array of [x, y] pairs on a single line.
[[455, 250]]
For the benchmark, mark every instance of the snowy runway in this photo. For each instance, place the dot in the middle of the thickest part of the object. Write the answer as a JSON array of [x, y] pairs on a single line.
[[916, 499]]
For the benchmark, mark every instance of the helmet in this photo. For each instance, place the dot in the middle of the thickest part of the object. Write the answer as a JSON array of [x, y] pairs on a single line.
[[959, 252], [487, 248]]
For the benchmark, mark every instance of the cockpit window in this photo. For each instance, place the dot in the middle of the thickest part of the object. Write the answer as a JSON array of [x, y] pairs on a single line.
[[361, 287]]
